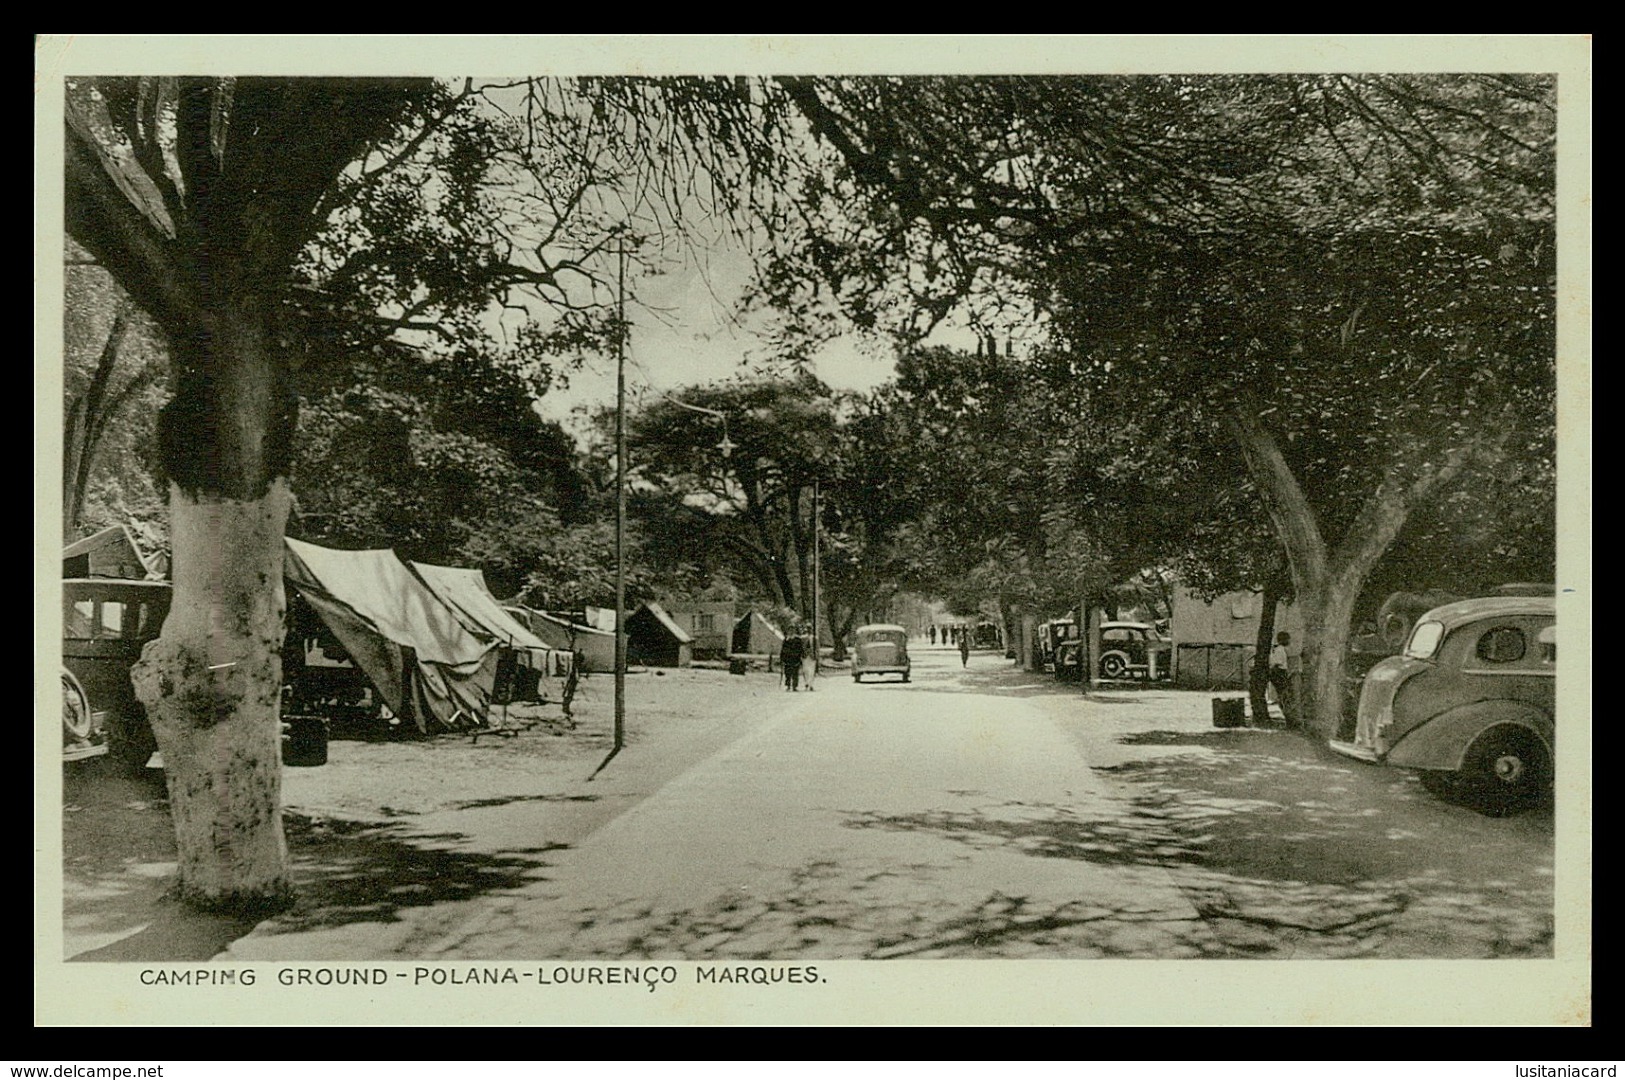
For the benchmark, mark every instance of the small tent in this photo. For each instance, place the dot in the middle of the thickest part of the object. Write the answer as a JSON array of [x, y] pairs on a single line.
[[422, 660], [753, 635], [526, 660], [597, 647], [654, 638]]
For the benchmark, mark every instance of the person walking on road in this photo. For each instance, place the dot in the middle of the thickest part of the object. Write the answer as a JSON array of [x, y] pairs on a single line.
[[964, 650], [572, 681], [809, 657], [790, 656]]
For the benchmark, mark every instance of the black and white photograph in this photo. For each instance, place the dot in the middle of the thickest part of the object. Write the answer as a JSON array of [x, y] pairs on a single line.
[[718, 528]]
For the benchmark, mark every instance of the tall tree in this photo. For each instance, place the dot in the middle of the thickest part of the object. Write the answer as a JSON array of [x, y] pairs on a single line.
[[186, 190], [274, 225], [754, 499], [1351, 277]]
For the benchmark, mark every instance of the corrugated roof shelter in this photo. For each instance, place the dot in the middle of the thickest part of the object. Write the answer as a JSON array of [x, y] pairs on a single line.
[[1214, 640], [422, 660], [111, 553], [654, 638], [708, 622]]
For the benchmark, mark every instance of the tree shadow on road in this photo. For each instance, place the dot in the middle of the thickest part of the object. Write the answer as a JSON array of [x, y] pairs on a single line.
[[1015, 682], [344, 872], [1285, 854], [348, 872]]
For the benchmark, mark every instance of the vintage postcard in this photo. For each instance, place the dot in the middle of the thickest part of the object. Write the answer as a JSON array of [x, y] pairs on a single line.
[[814, 530]]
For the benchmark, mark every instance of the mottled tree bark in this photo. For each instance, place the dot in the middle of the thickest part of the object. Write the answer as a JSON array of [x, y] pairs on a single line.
[[202, 231]]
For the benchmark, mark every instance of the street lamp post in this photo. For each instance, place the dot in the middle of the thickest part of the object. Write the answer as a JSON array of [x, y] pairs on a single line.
[[726, 445], [620, 501], [620, 505]]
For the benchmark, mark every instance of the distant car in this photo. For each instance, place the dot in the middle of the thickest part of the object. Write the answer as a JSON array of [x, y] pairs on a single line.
[[1050, 636], [880, 649], [105, 623], [1127, 650], [1470, 704]]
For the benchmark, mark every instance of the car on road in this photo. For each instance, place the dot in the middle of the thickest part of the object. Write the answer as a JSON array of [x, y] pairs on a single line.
[[1127, 650], [880, 649], [1470, 705], [1050, 635], [105, 623]]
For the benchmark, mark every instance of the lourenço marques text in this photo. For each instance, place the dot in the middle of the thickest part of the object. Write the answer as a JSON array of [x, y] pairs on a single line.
[[648, 976]]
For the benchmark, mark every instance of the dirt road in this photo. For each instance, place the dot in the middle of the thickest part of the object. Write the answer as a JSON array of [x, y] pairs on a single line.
[[981, 812]]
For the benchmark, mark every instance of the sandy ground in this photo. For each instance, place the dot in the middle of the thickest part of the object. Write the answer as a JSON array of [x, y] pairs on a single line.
[[426, 813], [1281, 847]]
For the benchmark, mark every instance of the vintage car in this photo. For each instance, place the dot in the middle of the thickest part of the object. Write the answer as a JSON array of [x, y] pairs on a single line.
[[1127, 650], [1469, 704], [1050, 636], [880, 649], [105, 623]]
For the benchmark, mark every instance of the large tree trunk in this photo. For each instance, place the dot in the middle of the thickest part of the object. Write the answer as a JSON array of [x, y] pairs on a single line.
[[211, 683], [198, 204], [1327, 584]]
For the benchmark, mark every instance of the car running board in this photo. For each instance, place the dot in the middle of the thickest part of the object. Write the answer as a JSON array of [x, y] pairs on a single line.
[[80, 751]]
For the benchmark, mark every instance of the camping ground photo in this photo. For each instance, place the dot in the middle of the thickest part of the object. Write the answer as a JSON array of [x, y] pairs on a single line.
[[821, 525]]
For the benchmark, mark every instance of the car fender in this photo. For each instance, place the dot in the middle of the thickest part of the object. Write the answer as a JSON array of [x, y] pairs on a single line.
[[1442, 742]]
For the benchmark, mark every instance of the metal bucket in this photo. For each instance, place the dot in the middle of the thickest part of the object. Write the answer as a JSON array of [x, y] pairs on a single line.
[[304, 741], [1229, 712]]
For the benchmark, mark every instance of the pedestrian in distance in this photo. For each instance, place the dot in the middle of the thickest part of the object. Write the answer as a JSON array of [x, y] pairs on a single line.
[[933, 633], [964, 650], [572, 681], [809, 658], [790, 656]]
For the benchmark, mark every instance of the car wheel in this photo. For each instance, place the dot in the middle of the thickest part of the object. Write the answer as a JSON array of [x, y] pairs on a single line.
[[1507, 769], [857, 678], [76, 721], [1113, 666], [905, 676], [1440, 783]]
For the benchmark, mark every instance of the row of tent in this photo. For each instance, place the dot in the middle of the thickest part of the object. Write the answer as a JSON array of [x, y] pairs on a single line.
[[438, 648], [433, 641]]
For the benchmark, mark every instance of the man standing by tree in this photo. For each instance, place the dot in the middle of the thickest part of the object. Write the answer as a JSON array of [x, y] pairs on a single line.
[[1281, 678]]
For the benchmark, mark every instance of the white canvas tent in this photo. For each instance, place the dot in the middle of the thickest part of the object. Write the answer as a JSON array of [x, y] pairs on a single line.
[[753, 635], [527, 657], [415, 650], [597, 647]]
